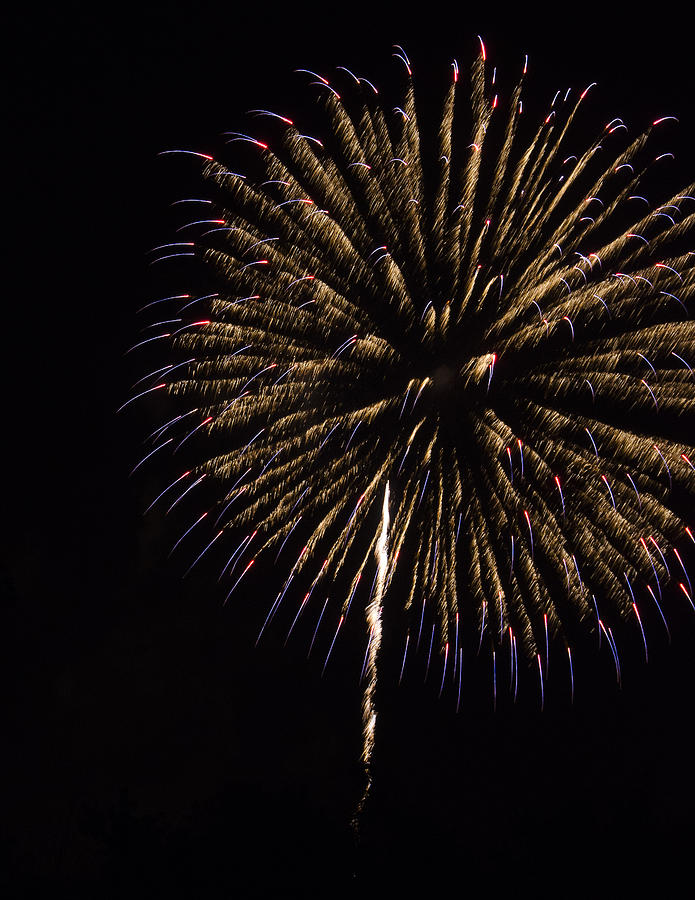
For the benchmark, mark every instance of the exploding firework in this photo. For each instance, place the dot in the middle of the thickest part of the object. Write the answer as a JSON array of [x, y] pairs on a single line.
[[447, 373]]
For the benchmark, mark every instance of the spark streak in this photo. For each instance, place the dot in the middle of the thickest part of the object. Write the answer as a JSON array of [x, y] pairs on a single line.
[[374, 622]]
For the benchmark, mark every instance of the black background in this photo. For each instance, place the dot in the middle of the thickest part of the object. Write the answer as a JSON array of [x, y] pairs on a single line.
[[154, 750]]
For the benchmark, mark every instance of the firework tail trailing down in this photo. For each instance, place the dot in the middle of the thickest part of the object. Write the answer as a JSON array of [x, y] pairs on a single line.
[[493, 323], [374, 625]]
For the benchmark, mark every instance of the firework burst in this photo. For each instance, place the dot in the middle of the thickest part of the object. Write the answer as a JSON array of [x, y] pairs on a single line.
[[465, 365]]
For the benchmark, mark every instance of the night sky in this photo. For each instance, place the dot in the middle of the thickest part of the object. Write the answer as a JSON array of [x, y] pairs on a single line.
[[154, 750]]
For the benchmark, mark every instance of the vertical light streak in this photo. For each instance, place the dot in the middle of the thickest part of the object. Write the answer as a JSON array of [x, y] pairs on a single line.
[[446, 660], [318, 624], [374, 623], [494, 682], [330, 649], [405, 654], [460, 668], [429, 653]]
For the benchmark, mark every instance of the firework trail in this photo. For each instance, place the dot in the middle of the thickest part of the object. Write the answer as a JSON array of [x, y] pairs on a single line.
[[374, 611], [495, 326]]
